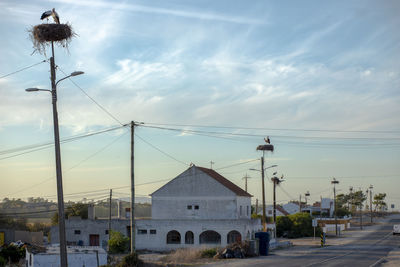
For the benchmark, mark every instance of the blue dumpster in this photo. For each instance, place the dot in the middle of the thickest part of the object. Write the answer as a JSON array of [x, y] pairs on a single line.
[[263, 238]]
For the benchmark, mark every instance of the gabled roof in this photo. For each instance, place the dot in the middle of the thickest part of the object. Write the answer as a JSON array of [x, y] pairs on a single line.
[[225, 182], [282, 210], [219, 178]]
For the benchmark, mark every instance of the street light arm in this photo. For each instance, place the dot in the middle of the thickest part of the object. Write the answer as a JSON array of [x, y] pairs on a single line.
[[75, 73], [63, 79], [36, 90]]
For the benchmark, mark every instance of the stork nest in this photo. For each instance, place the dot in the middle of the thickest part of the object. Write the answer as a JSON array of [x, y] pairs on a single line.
[[43, 34]]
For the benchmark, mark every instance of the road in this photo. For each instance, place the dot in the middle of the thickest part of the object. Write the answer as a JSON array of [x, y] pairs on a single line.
[[370, 249]]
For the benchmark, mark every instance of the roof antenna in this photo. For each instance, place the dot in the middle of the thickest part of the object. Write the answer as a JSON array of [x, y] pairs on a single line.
[[211, 163]]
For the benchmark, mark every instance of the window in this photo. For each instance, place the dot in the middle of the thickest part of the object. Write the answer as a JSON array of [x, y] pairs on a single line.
[[173, 237], [270, 212], [247, 210], [240, 210], [196, 207], [189, 207], [106, 232], [189, 237], [142, 232], [153, 231], [77, 232]]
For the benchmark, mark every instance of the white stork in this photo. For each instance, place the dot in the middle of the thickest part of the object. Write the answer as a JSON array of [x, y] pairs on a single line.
[[52, 13], [267, 140]]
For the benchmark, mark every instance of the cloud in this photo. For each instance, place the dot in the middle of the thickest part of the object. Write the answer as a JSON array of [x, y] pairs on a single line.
[[200, 15]]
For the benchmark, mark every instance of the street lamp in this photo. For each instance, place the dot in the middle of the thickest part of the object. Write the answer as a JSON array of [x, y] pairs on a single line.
[[60, 196], [276, 181], [263, 148], [334, 182]]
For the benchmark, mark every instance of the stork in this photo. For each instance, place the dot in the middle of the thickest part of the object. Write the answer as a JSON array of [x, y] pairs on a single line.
[[267, 140], [52, 13]]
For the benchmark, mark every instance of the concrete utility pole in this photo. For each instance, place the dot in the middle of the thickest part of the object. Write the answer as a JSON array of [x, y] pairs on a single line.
[[211, 164], [132, 187], [300, 203], [60, 194], [334, 182], [256, 205], [370, 200], [263, 148], [109, 216], [264, 219], [245, 181], [276, 182]]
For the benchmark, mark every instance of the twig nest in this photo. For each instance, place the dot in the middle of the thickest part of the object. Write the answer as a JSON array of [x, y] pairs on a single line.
[[43, 34]]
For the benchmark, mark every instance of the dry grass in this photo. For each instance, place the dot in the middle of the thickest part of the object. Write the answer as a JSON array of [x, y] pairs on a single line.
[[183, 256]]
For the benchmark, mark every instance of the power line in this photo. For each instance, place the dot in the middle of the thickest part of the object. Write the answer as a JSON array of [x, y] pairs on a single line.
[[275, 129], [37, 147], [236, 164], [276, 136], [91, 98], [25, 68], [163, 152]]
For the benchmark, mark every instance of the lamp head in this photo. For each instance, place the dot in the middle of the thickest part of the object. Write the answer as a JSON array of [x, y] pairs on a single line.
[[32, 89], [76, 73]]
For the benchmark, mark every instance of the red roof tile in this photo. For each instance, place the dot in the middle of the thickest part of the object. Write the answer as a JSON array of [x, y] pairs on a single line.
[[225, 182]]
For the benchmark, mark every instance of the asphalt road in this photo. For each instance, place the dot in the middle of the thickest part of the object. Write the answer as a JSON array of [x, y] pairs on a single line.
[[368, 250]]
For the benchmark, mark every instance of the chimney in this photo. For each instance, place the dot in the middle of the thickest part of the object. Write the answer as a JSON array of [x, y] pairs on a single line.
[[91, 213]]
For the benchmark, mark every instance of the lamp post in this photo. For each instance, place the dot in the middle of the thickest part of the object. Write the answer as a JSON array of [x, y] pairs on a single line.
[[334, 182], [276, 181], [60, 196], [263, 148], [370, 200]]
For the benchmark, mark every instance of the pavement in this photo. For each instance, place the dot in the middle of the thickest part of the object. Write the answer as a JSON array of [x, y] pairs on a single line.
[[372, 246]]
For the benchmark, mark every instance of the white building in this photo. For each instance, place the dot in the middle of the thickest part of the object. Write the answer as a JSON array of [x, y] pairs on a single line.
[[199, 207], [77, 256]]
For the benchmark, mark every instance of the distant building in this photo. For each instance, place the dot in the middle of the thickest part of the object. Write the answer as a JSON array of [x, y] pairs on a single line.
[[269, 211], [199, 207]]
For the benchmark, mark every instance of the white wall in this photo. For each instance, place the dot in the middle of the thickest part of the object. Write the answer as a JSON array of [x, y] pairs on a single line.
[[243, 207], [195, 188], [158, 241], [74, 259]]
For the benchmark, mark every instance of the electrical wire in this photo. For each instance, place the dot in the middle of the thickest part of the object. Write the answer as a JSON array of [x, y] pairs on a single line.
[[275, 129], [276, 136], [37, 147], [159, 150], [25, 68], [91, 98]]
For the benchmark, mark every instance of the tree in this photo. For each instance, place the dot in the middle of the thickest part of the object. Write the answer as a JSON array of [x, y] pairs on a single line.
[[283, 226], [76, 209], [118, 243], [379, 201]]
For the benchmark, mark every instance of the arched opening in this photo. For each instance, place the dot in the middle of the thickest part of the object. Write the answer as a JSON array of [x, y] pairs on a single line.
[[234, 236], [210, 237], [189, 237], [173, 237]]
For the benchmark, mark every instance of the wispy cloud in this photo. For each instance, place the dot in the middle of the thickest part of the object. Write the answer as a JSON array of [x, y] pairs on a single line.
[[200, 15]]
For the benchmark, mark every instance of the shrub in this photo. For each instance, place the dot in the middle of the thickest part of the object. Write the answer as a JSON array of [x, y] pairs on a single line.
[[209, 253], [283, 226], [131, 260], [302, 225], [2, 262], [13, 253], [118, 243]]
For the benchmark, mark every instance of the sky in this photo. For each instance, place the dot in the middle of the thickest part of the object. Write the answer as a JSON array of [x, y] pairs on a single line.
[[206, 81]]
